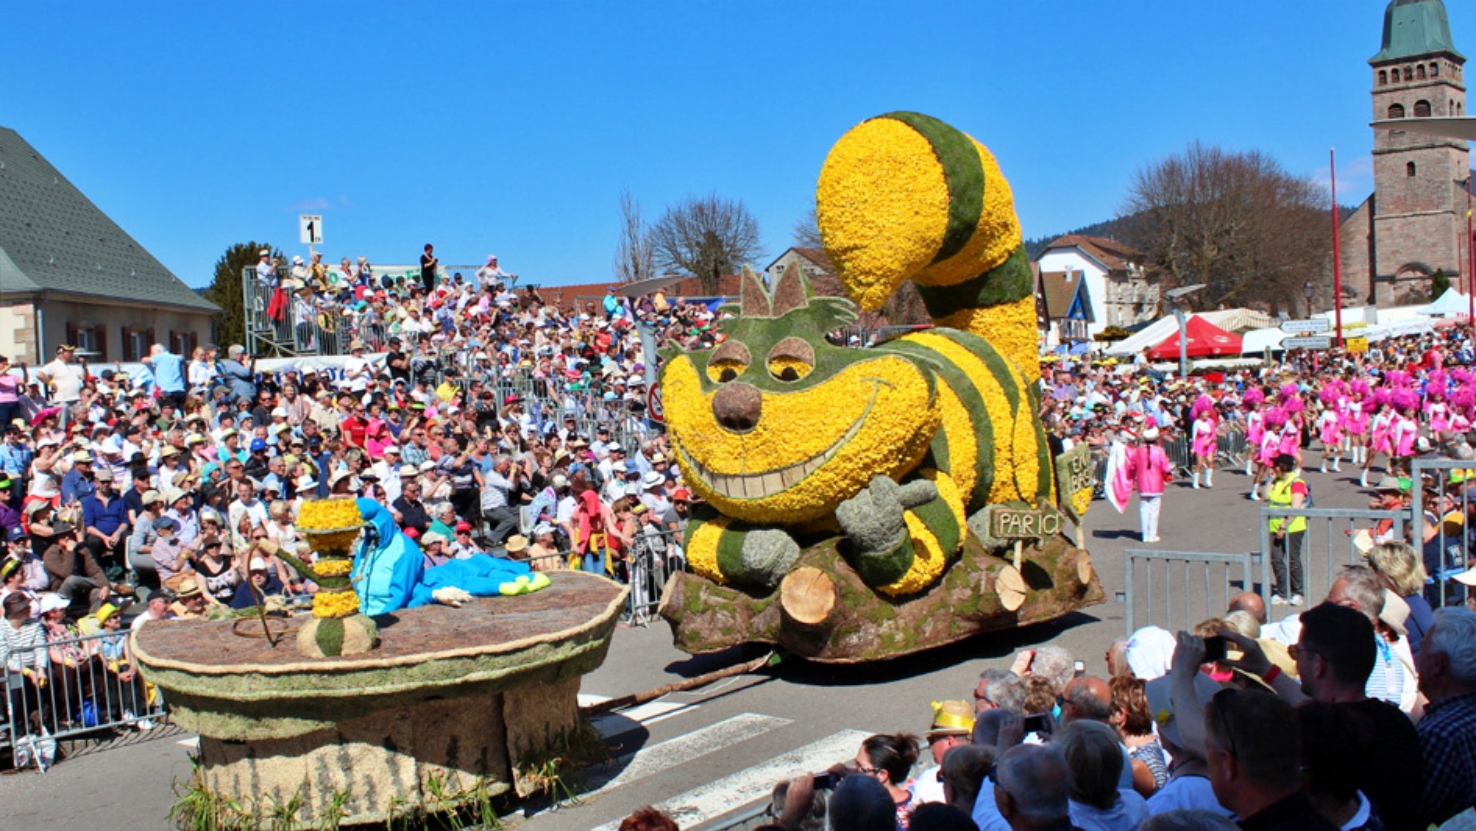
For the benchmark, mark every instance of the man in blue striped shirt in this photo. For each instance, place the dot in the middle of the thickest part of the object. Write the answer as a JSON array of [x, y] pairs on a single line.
[[1447, 667]]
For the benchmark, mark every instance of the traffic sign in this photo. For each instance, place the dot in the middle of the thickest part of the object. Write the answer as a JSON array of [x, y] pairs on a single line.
[[1356, 344], [310, 229], [1315, 342], [654, 409], [1306, 327]]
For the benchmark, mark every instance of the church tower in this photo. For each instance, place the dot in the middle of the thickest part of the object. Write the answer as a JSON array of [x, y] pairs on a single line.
[[1419, 203]]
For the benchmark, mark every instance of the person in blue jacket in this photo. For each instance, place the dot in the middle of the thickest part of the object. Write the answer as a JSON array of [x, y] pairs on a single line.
[[390, 574]]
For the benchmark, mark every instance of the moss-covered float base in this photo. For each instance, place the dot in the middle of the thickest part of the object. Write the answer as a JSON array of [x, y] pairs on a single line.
[[980, 593], [436, 756], [446, 712]]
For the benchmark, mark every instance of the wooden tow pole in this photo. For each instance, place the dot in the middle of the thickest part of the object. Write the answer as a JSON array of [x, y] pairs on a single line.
[[770, 658]]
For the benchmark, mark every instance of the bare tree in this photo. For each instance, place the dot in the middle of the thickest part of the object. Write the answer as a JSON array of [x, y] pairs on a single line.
[[633, 257], [1237, 222], [706, 237], [806, 230]]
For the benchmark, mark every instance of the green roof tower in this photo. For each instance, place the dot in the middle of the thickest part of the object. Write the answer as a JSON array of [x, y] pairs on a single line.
[[1415, 28]]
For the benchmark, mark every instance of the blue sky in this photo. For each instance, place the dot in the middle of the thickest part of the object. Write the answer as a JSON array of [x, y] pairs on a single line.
[[512, 127]]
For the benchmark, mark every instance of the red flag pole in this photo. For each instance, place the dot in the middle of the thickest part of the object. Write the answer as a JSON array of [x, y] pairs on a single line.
[[1332, 156]]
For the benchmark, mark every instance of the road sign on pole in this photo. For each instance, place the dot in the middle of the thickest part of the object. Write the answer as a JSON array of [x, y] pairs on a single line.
[[1305, 327], [310, 229], [1315, 342]]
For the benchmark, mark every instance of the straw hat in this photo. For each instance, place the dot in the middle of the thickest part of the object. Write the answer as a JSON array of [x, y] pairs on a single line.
[[516, 543], [951, 718]]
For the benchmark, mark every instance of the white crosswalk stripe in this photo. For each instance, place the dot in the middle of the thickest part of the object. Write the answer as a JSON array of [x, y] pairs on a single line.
[[716, 798], [680, 750]]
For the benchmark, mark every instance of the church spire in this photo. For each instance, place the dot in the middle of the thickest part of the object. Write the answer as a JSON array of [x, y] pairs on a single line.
[[1415, 28]]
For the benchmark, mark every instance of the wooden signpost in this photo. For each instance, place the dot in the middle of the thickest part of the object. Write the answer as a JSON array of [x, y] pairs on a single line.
[[1075, 482], [1007, 522]]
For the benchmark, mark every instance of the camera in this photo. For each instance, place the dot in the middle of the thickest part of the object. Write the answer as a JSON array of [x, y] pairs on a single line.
[[1214, 649]]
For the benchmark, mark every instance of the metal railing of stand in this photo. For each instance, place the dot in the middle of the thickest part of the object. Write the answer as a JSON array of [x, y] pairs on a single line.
[[1333, 532], [1446, 552], [84, 691]]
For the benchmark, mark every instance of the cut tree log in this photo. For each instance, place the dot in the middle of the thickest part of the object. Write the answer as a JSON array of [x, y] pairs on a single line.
[[807, 596], [1011, 588], [863, 625]]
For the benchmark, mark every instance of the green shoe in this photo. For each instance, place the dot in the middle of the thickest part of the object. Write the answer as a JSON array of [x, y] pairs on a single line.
[[512, 588], [539, 581]]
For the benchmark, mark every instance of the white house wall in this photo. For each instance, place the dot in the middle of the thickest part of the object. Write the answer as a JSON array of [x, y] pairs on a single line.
[[1096, 281]]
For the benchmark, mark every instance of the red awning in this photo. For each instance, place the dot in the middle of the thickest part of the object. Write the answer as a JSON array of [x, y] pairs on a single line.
[[1206, 340]]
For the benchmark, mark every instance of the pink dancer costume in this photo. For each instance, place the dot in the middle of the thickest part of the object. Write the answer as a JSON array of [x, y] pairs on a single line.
[[1438, 414], [1405, 432], [1459, 423], [1381, 439], [1271, 439], [1291, 437], [1204, 436], [1255, 427], [1355, 420], [1330, 428]]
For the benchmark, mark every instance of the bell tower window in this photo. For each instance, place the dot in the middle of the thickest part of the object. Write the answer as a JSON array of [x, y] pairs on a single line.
[[1422, 109], [1409, 169], [1396, 111]]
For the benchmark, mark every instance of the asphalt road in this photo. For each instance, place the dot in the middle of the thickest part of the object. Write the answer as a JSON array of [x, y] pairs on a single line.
[[710, 752]]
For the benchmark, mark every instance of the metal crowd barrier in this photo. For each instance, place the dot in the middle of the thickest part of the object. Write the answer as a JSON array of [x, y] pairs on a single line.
[[1329, 541], [1230, 449], [83, 694], [1441, 529], [651, 562], [1178, 453], [1181, 588]]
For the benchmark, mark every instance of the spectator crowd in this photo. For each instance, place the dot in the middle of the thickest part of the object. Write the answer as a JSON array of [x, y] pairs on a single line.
[[1235, 724], [490, 421], [486, 421]]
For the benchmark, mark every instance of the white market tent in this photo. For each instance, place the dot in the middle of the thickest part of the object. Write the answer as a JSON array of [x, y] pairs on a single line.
[[1450, 304], [1231, 320], [1257, 341], [1397, 328]]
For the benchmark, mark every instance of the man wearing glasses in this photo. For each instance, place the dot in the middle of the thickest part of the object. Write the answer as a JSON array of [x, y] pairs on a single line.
[[1334, 654], [1253, 745]]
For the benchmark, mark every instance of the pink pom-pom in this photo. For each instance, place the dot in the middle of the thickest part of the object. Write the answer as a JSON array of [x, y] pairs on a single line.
[[1288, 391], [1293, 406], [1381, 396], [1437, 378], [1460, 375], [1464, 397], [1405, 398], [1360, 387], [1202, 404], [1329, 394], [1396, 378], [1254, 396], [1275, 417]]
